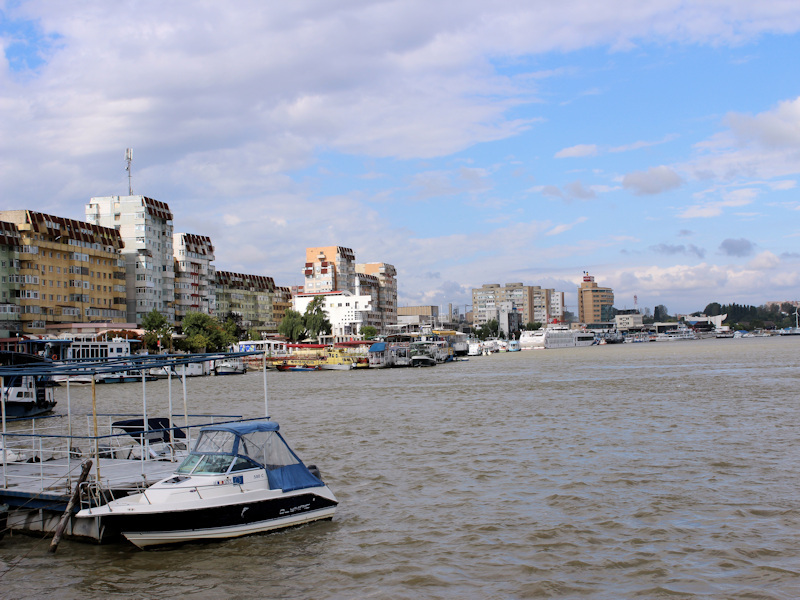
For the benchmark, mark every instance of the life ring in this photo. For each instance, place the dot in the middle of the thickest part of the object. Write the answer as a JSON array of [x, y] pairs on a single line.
[[54, 357]]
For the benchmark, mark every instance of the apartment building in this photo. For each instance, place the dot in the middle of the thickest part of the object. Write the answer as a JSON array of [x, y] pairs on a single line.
[[67, 271], [250, 296], [9, 280], [532, 302], [385, 301], [195, 277], [281, 301], [594, 302], [329, 269], [146, 229]]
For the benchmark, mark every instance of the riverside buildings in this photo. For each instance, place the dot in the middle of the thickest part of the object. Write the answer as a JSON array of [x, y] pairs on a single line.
[[250, 296], [146, 229], [532, 303], [58, 271], [333, 270]]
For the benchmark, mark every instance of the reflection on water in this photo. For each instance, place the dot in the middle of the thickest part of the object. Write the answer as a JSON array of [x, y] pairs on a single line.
[[620, 471]]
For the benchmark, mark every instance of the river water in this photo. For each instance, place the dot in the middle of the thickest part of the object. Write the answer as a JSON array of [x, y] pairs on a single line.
[[661, 470]]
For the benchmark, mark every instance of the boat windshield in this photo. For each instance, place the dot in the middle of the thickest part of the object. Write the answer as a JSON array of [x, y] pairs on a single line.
[[214, 464]]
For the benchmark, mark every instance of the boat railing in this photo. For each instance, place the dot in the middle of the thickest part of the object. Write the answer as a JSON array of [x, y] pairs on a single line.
[[48, 458]]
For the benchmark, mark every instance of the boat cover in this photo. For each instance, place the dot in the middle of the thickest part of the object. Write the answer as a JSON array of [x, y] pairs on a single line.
[[260, 442], [378, 347]]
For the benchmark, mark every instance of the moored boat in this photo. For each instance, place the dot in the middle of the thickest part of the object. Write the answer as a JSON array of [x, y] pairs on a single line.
[[239, 479], [26, 394]]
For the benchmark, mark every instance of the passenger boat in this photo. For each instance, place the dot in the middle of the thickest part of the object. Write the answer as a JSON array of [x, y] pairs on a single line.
[[555, 337], [239, 479], [422, 354], [26, 395], [336, 360]]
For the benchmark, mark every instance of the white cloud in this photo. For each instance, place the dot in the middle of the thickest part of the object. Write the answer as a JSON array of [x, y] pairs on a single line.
[[653, 181], [577, 151]]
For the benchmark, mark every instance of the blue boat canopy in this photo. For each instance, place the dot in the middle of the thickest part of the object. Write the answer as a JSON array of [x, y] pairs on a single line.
[[378, 347], [244, 428]]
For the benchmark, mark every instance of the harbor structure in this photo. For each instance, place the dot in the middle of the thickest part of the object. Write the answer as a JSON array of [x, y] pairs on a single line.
[[145, 225], [64, 271], [195, 277], [594, 302], [9, 280], [250, 296]]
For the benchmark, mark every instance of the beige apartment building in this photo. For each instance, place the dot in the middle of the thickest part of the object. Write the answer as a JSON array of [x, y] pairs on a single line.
[[532, 302], [250, 296], [68, 272], [379, 280], [329, 269], [594, 302]]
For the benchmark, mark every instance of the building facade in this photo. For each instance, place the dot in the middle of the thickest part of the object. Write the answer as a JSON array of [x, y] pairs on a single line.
[[195, 277], [594, 302], [67, 271], [347, 312], [146, 229], [385, 302], [9, 280], [329, 269], [249, 296], [531, 302]]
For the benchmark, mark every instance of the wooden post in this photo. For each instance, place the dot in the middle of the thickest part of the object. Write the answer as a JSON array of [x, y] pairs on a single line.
[[87, 466]]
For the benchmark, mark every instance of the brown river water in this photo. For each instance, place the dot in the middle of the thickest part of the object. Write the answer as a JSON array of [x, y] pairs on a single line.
[[660, 470]]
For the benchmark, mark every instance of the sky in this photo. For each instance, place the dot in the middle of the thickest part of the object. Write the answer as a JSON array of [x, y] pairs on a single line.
[[654, 144]]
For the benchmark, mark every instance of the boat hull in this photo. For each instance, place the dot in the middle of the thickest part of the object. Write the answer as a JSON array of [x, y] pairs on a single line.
[[146, 529]]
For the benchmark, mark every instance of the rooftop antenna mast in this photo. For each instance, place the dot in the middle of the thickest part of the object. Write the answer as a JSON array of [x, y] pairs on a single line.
[[129, 159]]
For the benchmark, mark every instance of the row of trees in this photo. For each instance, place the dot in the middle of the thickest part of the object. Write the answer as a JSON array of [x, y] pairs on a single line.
[[202, 332]]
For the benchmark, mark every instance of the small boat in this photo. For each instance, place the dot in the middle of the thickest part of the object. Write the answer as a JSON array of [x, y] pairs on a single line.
[[230, 366], [123, 377], [239, 479], [297, 367], [26, 395], [336, 360]]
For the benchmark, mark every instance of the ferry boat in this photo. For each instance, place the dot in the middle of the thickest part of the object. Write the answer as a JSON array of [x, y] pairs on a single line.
[[239, 479], [555, 337], [336, 360]]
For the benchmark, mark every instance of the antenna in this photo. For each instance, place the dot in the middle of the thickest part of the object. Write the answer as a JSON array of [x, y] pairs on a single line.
[[129, 159], [636, 303]]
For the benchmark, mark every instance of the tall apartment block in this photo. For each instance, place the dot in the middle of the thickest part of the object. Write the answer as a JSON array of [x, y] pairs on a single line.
[[594, 302], [67, 271], [329, 269], [146, 229], [530, 301], [379, 280], [195, 277], [9, 280], [281, 302], [250, 296]]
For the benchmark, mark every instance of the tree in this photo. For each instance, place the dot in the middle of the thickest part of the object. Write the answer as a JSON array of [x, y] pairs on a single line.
[[232, 323], [292, 326], [369, 332], [315, 319], [533, 326], [201, 328], [158, 330], [660, 313]]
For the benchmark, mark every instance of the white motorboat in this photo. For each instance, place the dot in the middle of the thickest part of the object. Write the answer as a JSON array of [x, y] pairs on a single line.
[[26, 394], [240, 478], [230, 366]]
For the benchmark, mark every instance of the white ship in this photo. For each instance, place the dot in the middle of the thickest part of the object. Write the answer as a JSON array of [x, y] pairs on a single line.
[[555, 337]]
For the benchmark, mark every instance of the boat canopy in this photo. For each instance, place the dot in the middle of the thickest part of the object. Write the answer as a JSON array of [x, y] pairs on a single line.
[[378, 347], [260, 445]]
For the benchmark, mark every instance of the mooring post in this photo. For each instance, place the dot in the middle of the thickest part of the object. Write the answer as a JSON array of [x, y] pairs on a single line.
[[87, 466]]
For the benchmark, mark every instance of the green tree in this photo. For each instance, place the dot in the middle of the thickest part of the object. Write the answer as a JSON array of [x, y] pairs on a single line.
[[292, 326], [157, 329], [533, 326], [315, 319], [369, 332], [214, 335], [232, 323]]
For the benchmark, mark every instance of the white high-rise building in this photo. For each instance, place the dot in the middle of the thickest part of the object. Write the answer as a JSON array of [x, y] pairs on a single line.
[[146, 229], [195, 288]]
